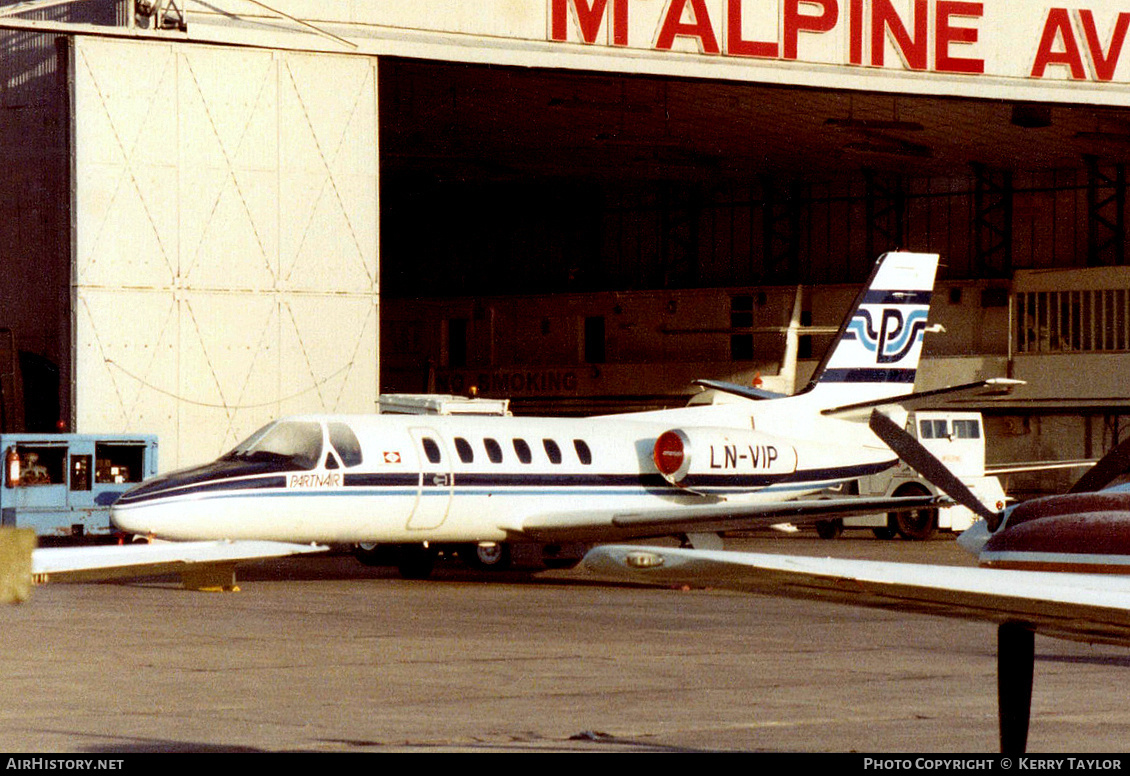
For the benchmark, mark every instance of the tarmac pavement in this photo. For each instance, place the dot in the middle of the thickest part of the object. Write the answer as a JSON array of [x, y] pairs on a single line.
[[324, 654]]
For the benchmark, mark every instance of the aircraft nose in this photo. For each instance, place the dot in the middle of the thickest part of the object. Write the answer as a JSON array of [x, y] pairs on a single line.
[[122, 523], [973, 538]]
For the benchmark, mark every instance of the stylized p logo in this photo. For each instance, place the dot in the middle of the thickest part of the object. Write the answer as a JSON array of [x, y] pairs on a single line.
[[896, 336], [889, 329]]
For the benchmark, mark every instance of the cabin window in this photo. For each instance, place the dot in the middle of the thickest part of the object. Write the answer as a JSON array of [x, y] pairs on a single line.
[[552, 450], [967, 429], [494, 451], [463, 447], [431, 449], [583, 452], [345, 442], [522, 450]]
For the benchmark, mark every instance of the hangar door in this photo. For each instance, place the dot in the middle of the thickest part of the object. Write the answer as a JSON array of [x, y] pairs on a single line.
[[225, 246]]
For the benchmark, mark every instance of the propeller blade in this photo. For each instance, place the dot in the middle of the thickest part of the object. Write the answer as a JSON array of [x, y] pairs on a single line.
[[923, 461], [1111, 465]]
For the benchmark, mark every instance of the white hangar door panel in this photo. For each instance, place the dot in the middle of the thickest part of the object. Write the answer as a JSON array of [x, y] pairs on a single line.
[[225, 240]]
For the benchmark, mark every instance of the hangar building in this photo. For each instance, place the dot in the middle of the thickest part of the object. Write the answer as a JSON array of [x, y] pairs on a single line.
[[216, 213]]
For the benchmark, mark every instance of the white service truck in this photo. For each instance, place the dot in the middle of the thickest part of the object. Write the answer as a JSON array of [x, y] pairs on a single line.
[[957, 439]]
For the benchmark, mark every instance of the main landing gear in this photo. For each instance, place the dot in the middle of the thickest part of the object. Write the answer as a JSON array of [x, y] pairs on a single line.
[[487, 556]]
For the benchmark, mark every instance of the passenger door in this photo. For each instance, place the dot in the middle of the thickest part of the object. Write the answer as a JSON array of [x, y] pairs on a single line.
[[436, 483]]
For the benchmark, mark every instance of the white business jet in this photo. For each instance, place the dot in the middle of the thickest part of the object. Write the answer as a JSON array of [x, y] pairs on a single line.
[[403, 487]]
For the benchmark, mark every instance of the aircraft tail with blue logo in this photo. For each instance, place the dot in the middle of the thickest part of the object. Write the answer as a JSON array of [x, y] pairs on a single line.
[[875, 355], [873, 360]]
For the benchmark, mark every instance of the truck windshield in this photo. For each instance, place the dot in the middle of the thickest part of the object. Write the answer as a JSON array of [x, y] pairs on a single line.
[[298, 443]]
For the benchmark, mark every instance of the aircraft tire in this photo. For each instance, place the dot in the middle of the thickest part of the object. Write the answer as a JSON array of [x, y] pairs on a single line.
[[920, 524], [830, 529], [494, 557], [370, 554], [415, 561]]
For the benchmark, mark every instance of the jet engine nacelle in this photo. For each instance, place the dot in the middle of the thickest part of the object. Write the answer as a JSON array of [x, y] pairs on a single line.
[[692, 457]]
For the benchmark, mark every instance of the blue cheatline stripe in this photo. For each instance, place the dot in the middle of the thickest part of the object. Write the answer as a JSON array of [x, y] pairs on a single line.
[[889, 297], [872, 375], [209, 486], [533, 483], [459, 491]]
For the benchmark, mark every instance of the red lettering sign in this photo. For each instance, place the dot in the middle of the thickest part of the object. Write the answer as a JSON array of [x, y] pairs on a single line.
[[855, 32], [796, 22], [884, 18], [946, 33], [590, 15], [699, 26], [1058, 27], [1104, 63], [736, 45]]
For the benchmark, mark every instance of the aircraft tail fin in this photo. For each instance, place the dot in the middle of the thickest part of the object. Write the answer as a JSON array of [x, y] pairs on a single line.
[[876, 351]]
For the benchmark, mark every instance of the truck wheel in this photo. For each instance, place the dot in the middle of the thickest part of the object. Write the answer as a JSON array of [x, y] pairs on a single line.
[[918, 524], [830, 529]]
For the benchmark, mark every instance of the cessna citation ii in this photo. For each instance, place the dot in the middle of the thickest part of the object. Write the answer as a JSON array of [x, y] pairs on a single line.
[[402, 487], [1055, 565]]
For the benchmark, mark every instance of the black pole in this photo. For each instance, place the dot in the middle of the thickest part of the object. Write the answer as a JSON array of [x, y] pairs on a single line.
[[1016, 656]]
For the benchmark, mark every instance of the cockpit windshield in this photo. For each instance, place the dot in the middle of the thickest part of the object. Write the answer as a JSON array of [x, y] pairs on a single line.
[[296, 443]]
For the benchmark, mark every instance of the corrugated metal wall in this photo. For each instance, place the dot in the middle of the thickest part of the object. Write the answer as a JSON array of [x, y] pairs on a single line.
[[225, 240]]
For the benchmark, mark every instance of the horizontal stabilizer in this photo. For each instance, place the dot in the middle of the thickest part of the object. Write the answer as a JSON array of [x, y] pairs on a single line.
[[995, 386], [744, 391]]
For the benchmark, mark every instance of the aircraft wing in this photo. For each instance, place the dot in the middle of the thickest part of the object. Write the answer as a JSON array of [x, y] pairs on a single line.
[[1080, 607], [202, 565], [714, 515]]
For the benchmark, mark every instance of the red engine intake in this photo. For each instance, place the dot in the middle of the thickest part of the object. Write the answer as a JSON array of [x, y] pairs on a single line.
[[670, 456]]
